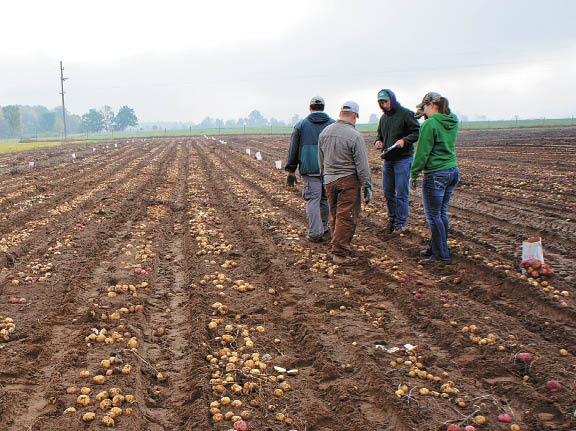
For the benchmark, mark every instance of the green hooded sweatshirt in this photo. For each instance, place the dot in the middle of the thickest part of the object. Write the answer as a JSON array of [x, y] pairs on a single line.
[[436, 145]]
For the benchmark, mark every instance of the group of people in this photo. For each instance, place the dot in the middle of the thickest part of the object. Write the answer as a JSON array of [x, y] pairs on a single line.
[[333, 163]]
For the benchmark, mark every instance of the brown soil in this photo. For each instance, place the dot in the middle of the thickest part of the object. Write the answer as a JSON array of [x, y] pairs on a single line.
[[157, 238]]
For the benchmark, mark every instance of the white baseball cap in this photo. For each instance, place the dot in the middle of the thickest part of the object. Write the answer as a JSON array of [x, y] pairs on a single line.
[[350, 106]]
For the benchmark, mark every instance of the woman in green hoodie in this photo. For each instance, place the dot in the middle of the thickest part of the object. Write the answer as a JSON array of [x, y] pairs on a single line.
[[435, 157]]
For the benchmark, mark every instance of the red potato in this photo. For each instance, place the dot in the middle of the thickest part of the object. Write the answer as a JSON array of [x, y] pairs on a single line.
[[553, 385], [240, 426], [524, 357], [504, 417], [453, 428]]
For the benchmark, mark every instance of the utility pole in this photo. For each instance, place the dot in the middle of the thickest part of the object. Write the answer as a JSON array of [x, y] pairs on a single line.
[[62, 79]]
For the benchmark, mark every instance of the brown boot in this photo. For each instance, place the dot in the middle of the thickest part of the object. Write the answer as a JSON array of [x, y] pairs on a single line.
[[344, 260]]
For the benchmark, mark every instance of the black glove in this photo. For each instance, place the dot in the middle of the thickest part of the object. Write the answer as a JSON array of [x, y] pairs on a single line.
[[291, 180], [367, 193], [413, 183]]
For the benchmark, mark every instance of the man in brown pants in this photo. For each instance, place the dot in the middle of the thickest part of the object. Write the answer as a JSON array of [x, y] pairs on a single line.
[[344, 167]]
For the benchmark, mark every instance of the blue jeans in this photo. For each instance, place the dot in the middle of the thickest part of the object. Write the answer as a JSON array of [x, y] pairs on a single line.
[[395, 182], [314, 193], [437, 189]]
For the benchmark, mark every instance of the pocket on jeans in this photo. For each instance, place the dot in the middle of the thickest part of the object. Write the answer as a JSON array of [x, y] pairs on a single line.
[[441, 181], [306, 192]]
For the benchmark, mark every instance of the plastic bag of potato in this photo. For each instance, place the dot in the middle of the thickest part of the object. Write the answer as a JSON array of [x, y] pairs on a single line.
[[533, 259]]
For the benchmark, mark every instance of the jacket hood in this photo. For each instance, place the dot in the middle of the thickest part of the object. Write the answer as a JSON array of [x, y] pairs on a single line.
[[318, 117], [393, 102], [448, 121]]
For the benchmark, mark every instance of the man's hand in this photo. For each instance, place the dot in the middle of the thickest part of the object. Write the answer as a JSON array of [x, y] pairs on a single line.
[[291, 179], [378, 145], [367, 193], [399, 143], [413, 183]]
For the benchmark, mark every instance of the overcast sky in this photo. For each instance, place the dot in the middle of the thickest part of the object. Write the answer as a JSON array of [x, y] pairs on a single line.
[[185, 60]]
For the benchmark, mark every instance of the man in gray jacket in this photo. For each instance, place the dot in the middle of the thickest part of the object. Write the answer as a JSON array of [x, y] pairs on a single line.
[[344, 167]]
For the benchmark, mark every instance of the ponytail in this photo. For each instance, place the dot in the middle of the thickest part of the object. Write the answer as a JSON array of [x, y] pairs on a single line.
[[443, 107]]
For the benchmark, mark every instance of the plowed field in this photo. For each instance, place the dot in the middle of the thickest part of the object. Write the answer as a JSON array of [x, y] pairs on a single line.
[[167, 284]]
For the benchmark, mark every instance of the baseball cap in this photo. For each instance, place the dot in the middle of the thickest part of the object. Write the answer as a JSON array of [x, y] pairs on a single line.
[[350, 106], [317, 100], [429, 98], [383, 95]]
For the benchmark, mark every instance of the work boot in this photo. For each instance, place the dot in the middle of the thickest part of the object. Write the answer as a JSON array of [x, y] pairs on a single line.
[[401, 229], [426, 252], [433, 260], [344, 260], [316, 239], [390, 227]]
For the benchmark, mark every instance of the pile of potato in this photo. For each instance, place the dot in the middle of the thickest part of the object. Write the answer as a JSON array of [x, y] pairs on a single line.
[[536, 269], [7, 328], [238, 376], [220, 281], [112, 336], [110, 402]]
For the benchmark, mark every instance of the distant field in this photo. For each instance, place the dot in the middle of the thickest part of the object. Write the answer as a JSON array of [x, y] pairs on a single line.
[[13, 145]]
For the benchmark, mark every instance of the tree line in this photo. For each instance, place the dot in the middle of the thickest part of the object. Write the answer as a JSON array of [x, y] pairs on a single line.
[[22, 120], [254, 119]]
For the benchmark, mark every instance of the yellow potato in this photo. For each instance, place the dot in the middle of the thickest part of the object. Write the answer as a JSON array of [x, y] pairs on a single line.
[[83, 400], [99, 380], [108, 421], [106, 404], [89, 417]]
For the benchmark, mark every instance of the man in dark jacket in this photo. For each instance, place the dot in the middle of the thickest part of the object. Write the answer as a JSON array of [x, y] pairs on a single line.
[[304, 153], [397, 132]]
